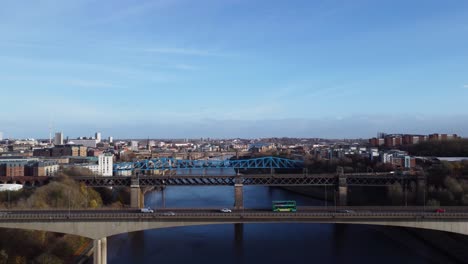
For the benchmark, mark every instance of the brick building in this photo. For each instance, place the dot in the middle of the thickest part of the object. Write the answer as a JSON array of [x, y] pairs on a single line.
[[12, 168], [62, 150]]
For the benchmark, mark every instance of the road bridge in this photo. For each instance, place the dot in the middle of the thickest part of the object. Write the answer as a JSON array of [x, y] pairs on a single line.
[[100, 224]]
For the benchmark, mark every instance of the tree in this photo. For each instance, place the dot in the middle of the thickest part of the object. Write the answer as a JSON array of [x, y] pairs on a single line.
[[3, 257], [454, 187], [395, 193], [47, 258], [433, 202]]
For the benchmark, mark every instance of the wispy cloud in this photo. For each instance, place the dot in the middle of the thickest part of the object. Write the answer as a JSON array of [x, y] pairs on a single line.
[[184, 51], [465, 86], [132, 11], [127, 72], [91, 84]]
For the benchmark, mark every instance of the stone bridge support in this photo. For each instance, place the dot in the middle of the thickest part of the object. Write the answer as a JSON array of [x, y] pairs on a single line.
[[238, 193], [238, 196], [421, 190], [342, 187], [100, 251], [137, 199]]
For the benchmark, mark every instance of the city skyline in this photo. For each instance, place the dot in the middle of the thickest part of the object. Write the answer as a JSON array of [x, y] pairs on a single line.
[[226, 69], [330, 129]]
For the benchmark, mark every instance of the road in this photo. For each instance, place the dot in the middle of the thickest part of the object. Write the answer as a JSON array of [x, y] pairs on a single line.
[[214, 214]]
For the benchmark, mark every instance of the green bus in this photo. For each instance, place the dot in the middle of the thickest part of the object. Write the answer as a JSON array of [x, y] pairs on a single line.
[[284, 206]]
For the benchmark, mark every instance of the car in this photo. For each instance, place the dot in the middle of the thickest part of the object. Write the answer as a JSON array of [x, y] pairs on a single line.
[[146, 210], [169, 214], [226, 210], [346, 211], [440, 210]]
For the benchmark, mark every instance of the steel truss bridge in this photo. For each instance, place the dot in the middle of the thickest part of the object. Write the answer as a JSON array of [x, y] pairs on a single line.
[[365, 179], [171, 163]]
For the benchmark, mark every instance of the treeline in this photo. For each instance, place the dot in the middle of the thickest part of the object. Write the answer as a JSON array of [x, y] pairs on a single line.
[[352, 163], [447, 185], [27, 246], [444, 148]]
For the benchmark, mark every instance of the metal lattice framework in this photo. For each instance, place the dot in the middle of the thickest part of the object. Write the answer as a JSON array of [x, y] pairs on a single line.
[[266, 180], [171, 163], [378, 180]]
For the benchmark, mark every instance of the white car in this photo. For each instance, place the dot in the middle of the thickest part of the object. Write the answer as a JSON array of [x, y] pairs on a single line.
[[169, 214], [147, 210], [226, 210]]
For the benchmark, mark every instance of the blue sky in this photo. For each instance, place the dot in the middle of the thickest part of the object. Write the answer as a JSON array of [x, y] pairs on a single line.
[[228, 68]]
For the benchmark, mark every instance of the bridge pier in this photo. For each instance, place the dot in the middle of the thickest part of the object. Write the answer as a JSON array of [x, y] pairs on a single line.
[[421, 190], [342, 187], [100, 251], [238, 196], [137, 199]]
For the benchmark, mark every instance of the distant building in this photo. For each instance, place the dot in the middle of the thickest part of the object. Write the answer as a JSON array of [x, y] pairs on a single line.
[[134, 145], [103, 167], [90, 143], [98, 137], [12, 168], [407, 139], [94, 152], [58, 140], [61, 151], [111, 139], [42, 168]]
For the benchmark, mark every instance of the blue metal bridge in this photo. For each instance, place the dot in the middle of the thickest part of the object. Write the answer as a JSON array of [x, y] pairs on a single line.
[[172, 164]]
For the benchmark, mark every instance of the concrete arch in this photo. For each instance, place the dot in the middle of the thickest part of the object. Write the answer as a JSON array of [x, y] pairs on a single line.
[[98, 230]]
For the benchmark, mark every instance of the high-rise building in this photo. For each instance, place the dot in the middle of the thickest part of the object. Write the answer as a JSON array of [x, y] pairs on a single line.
[[98, 137], [58, 138], [134, 145], [111, 139]]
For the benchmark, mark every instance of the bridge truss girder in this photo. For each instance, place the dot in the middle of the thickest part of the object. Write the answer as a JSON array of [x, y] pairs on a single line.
[[171, 163], [276, 180]]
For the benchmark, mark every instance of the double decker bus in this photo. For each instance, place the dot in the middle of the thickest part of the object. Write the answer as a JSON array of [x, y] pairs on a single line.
[[284, 206]]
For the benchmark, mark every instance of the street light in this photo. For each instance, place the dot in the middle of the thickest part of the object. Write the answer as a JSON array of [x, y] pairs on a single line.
[[69, 202], [326, 197]]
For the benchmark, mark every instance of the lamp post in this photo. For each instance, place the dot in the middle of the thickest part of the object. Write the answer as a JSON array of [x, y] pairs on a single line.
[[69, 203], [326, 197]]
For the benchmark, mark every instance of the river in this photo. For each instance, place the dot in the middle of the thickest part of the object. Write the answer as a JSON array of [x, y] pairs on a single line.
[[264, 243]]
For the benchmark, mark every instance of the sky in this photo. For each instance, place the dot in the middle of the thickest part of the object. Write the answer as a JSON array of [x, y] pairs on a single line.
[[233, 68]]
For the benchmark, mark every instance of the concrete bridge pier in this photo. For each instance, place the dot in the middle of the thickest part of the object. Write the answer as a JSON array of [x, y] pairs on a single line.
[[342, 187], [100, 251], [137, 199], [238, 196]]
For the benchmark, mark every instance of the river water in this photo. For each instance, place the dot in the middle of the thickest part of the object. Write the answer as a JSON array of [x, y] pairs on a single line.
[[263, 243]]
